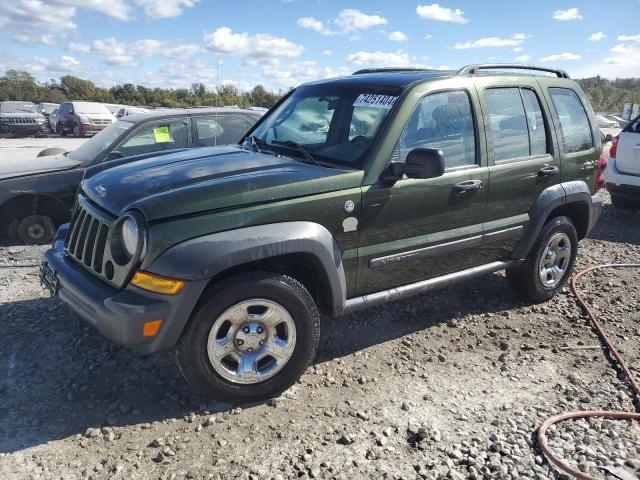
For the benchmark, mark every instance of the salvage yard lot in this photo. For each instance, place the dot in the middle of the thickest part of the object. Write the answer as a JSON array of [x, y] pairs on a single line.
[[447, 385]]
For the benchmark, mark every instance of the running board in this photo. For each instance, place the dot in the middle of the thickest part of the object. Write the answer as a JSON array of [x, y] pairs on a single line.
[[406, 291]]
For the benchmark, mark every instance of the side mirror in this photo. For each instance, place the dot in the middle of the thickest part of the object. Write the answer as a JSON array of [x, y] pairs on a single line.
[[608, 137], [114, 155], [420, 163]]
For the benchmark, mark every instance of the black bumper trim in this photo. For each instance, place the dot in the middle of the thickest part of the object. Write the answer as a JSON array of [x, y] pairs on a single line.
[[120, 315]]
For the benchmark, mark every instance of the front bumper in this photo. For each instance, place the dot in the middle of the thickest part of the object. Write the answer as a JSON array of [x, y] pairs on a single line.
[[24, 129], [91, 129], [119, 315]]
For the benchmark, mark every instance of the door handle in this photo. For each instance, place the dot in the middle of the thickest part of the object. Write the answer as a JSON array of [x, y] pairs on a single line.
[[548, 171], [467, 186]]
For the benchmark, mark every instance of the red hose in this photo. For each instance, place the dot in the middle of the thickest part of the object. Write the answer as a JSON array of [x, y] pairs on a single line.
[[559, 463]]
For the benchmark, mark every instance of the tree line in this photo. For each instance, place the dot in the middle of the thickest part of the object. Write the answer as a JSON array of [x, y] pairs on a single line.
[[21, 85], [605, 95]]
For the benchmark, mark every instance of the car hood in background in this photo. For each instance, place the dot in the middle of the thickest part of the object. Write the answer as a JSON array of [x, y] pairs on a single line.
[[20, 115], [34, 166], [213, 178]]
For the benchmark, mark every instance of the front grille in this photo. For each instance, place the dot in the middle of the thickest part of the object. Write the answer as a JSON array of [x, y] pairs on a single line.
[[87, 236], [99, 121], [22, 121]]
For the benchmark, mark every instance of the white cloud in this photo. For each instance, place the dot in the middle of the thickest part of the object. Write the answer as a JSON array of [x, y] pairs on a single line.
[[596, 37], [377, 58], [397, 36], [428, 37], [443, 14], [121, 54], [328, 53], [164, 8], [351, 20], [118, 9], [629, 38], [566, 56], [265, 45], [313, 24], [514, 41], [569, 14], [518, 49], [523, 58]]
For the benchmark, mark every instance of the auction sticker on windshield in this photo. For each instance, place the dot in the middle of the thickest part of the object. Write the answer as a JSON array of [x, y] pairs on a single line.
[[373, 100]]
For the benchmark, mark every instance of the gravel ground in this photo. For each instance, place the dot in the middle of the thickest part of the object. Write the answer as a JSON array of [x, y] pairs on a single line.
[[17, 149], [448, 385]]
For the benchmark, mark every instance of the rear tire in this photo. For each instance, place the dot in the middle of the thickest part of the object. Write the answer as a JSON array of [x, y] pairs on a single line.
[[624, 203], [548, 266], [201, 351]]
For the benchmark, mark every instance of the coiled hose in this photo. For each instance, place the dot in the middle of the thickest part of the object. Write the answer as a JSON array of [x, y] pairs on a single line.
[[616, 358]]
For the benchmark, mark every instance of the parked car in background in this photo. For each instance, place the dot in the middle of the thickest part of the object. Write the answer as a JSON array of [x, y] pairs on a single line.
[[622, 175], [604, 122], [46, 108], [114, 107], [617, 118], [126, 111], [83, 118], [19, 118], [37, 195], [52, 120]]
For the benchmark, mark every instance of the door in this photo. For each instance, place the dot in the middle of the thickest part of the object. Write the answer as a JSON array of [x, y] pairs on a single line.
[[522, 162], [417, 229], [219, 129], [628, 149]]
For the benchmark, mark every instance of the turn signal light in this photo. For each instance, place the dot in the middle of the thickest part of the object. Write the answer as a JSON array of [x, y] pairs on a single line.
[[157, 283], [150, 329]]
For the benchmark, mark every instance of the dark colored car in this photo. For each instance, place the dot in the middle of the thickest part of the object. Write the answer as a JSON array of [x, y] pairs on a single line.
[[21, 119], [47, 109], [37, 195], [349, 193], [83, 118]]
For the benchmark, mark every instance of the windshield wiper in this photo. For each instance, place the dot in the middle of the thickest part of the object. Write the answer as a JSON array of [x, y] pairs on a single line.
[[300, 148]]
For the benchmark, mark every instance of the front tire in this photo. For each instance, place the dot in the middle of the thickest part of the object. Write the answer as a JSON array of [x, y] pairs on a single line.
[[624, 203], [60, 130], [252, 338], [76, 130], [548, 266]]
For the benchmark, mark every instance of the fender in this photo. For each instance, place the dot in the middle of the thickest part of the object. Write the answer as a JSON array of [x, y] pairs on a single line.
[[549, 199], [204, 257]]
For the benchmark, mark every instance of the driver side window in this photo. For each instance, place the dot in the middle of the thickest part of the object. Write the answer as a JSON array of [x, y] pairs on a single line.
[[444, 121]]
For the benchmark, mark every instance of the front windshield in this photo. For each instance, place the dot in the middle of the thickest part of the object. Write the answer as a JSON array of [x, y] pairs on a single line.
[[15, 107], [89, 150], [90, 107], [336, 124]]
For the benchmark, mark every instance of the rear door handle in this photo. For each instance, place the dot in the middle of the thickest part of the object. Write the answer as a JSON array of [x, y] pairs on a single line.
[[548, 171], [468, 186]]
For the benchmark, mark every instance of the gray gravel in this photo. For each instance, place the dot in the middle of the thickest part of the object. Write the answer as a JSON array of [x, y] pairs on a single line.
[[450, 385], [19, 149]]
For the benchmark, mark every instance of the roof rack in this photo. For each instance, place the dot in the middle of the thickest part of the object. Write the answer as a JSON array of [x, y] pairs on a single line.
[[475, 69], [391, 70]]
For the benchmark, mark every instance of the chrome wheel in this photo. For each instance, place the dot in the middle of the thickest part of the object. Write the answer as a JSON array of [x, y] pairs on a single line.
[[251, 341], [555, 260]]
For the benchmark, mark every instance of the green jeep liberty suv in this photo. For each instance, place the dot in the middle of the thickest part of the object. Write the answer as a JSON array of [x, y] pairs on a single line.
[[350, 192]]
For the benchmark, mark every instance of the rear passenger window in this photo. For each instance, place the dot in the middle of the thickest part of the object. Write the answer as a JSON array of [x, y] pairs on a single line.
[[444, 121], [574, 123], [220, 130], [516, 123]]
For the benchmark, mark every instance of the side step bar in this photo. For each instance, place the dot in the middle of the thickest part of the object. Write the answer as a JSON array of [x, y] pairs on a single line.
[[406, 291]]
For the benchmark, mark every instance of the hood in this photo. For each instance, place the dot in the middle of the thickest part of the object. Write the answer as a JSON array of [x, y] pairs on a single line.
[[21, 115], [205, 179], [34, 166]]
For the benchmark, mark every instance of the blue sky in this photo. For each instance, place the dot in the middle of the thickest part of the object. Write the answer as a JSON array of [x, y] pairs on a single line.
[[281, 43]]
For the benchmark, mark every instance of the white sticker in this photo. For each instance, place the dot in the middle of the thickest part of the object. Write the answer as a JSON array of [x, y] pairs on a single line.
[[350, 224], [375, 101]]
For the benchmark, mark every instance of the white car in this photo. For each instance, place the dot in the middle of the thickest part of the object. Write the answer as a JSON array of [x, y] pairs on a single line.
[[125, 111], [622, 175], [604, 122]]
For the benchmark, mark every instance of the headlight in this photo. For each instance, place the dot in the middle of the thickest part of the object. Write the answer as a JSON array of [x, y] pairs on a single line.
[[40, 120], [132, 236]]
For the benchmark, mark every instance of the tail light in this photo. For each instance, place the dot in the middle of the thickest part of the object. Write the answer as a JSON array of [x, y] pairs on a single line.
[[614, 147], [602, 164]]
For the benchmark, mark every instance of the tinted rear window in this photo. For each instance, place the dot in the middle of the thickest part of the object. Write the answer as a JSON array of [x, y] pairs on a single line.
[[574, 122]]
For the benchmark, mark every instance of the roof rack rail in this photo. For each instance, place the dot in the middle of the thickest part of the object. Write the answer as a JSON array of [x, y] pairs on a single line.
[[391, 70], [475, 69]]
